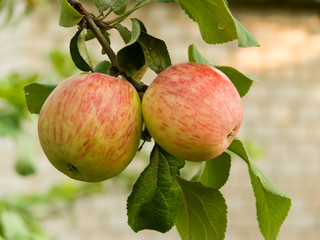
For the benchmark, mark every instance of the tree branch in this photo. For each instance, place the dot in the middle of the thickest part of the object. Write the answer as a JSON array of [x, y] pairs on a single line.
[[102, 40], [90, 20], [94, 25]]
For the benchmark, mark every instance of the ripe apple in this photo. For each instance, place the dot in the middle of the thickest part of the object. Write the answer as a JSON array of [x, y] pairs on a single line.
[[193, 111], [90, 125]]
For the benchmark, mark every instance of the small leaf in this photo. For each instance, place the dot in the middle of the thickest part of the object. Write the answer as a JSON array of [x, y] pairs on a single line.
[[202, 213], [25, 167], [130, 59], [135, 32], [69, 17], [215, 172], [26, 153], [195, 56], [272, 205], [124, 33], [245, 39], [155, 51], [9, 122], [103, 67], [140, 73], [102, 5], [79, 53], [155, 198], [119, 6], [36, 94], [238, 148], [241, 81]]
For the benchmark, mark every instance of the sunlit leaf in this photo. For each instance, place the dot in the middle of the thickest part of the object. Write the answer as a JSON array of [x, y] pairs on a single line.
[[241, 81], [272, 205], [79, 52], [119, 6], [202, 214], [215, 172], [69, 17], [155, 51], [36, 94], [102, 5]]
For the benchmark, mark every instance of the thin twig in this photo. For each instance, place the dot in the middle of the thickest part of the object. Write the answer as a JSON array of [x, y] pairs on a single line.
[[94, 24], [90, 19], [102, 40], [126, 14]]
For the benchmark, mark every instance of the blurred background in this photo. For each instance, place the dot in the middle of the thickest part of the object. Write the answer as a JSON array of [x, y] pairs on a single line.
[[281, 123]]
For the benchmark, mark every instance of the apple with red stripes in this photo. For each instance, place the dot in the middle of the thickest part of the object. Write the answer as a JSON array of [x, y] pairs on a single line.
[[193, 111], [90, 126]]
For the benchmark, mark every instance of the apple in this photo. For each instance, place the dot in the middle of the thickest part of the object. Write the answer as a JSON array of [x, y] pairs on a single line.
[[90, 126], [193, 111]]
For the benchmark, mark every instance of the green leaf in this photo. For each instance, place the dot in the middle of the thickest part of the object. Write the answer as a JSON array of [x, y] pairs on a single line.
[[202, 214], [13, 226], [241, 81], [79, 53], [215, 172], [119, 6], [69, 17], [155, 198], [130, 59], [36, 94], [245, 39], [25, 167], [26, 153], [9, 122], [216, 23], [155, 51], [214, 19], [102, 5], [11, 89], [135, 32], [140, 73], [238, 148], [272, 205], [103, 67], [124, 33], [195, 56]]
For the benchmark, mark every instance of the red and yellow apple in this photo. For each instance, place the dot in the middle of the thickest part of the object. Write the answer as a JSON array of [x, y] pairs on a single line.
[[193, 111], [90, 125]]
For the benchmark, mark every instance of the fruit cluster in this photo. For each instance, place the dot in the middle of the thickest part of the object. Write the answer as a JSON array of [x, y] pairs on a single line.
[[90, 125]]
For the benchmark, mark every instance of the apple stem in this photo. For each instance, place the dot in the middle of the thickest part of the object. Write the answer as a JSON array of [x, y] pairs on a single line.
[[230, 134], [137, 85]]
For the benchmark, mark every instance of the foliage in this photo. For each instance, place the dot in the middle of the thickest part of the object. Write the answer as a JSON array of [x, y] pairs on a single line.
[[12, 114], [161, 198], [12, 15], [17, 220], [14, 111]]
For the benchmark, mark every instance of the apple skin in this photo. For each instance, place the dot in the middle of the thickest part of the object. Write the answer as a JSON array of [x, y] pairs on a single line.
[[90, 126], [193, 111]]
